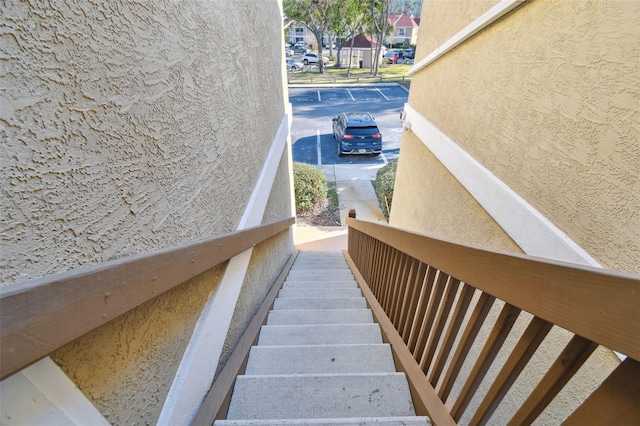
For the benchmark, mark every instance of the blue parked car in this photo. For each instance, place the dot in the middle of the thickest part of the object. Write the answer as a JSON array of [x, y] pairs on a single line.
[[357, 133]]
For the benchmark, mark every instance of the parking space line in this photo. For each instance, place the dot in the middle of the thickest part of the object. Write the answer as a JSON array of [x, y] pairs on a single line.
[[384, 159], [349, 92], [318, 145], [379, 91], [319, 98]]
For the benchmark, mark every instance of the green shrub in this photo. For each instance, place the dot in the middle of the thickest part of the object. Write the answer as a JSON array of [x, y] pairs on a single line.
[[310, 186], [385, 180]]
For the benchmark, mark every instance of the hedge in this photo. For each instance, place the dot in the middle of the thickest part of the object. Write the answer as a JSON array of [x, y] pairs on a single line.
[[310, 186], [385, 180]]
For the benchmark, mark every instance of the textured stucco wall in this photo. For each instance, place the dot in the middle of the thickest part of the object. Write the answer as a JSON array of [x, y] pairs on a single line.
[[128, 127], [267, 260], [547, 100], [126, 367], [444, 19], [427, 198]]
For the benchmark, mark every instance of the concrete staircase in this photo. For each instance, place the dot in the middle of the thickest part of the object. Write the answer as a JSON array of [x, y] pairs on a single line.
[[320, 359]]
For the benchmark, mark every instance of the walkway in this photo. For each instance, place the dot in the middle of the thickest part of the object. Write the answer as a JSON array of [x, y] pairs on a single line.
[[355, 191]]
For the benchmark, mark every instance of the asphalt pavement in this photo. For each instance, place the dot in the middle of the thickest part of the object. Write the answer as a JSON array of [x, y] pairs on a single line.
[[313, 143]]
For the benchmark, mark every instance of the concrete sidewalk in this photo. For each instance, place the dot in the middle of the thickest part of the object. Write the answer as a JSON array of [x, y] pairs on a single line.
[[355, 191]]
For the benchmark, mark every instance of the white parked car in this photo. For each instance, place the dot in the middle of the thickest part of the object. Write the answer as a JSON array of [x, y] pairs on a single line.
[[312, 58], [293, 65]]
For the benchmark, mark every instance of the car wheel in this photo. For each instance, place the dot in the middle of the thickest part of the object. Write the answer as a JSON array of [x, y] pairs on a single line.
[[306, 62], [340, 154]]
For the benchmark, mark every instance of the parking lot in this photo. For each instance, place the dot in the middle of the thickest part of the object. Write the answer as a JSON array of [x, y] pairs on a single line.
[[314, 107]]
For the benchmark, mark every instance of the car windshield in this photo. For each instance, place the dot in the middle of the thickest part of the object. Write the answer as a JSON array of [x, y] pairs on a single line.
[[369, 130]]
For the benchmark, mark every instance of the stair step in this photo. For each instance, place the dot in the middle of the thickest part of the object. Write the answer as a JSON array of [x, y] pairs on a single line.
[[301, 396], [320, 359], [320, 292], [321, 274], [322, 284], [320, 316], [361, 421], [319, 334], [326, 254], [320, 303], [320, 263]]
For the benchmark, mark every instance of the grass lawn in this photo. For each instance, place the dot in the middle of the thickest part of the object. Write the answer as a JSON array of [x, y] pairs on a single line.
[[396, 73]]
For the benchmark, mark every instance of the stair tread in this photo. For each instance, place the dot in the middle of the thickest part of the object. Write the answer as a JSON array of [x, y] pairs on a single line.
[[321, 284], [319, 334], [319, 316], [298, 293], [364, 421], [320, 303], [327, 359], [320, 396]]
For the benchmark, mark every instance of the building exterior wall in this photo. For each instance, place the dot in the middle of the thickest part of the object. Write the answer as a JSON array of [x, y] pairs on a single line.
[[130, 127], [546, 100], [440, 206]]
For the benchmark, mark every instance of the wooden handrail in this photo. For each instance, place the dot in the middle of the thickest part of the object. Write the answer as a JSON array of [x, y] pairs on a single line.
[[598, 304], [420, 289], [42, 315]]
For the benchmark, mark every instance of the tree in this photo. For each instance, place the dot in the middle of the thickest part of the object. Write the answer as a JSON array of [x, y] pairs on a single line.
[[379, 28], [313, 14], [347, 19], [410, 7]]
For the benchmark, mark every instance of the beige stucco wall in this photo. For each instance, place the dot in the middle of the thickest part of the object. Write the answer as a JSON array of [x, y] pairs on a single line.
[[128, 127], [131, 126], [547, 100], [444, 19], [126, 367], [430, 200]]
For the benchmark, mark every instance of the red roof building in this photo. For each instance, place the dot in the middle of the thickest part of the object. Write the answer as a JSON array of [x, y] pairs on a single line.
[[405, 29]]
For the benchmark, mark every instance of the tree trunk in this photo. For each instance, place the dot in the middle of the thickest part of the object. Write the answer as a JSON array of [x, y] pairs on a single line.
[[350, 57]]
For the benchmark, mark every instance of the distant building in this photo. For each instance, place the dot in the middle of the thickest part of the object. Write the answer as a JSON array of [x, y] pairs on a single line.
[[362, 51], [405, 29]]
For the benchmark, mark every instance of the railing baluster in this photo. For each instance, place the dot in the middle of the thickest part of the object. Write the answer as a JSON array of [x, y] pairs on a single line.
[[492, 346], [382, 260], [400, 289], [366, 253], [565, 366], [527, 345], [441, 321], [464, 300], [432, 310], [410, 311], [406, 294], [382, 272], [618, 393], [391, 278], [425, 294], [395, 283], [480, 312]]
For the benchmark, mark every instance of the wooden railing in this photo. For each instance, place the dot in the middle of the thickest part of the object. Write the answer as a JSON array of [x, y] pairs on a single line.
[[421, 289], [42, 315]]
